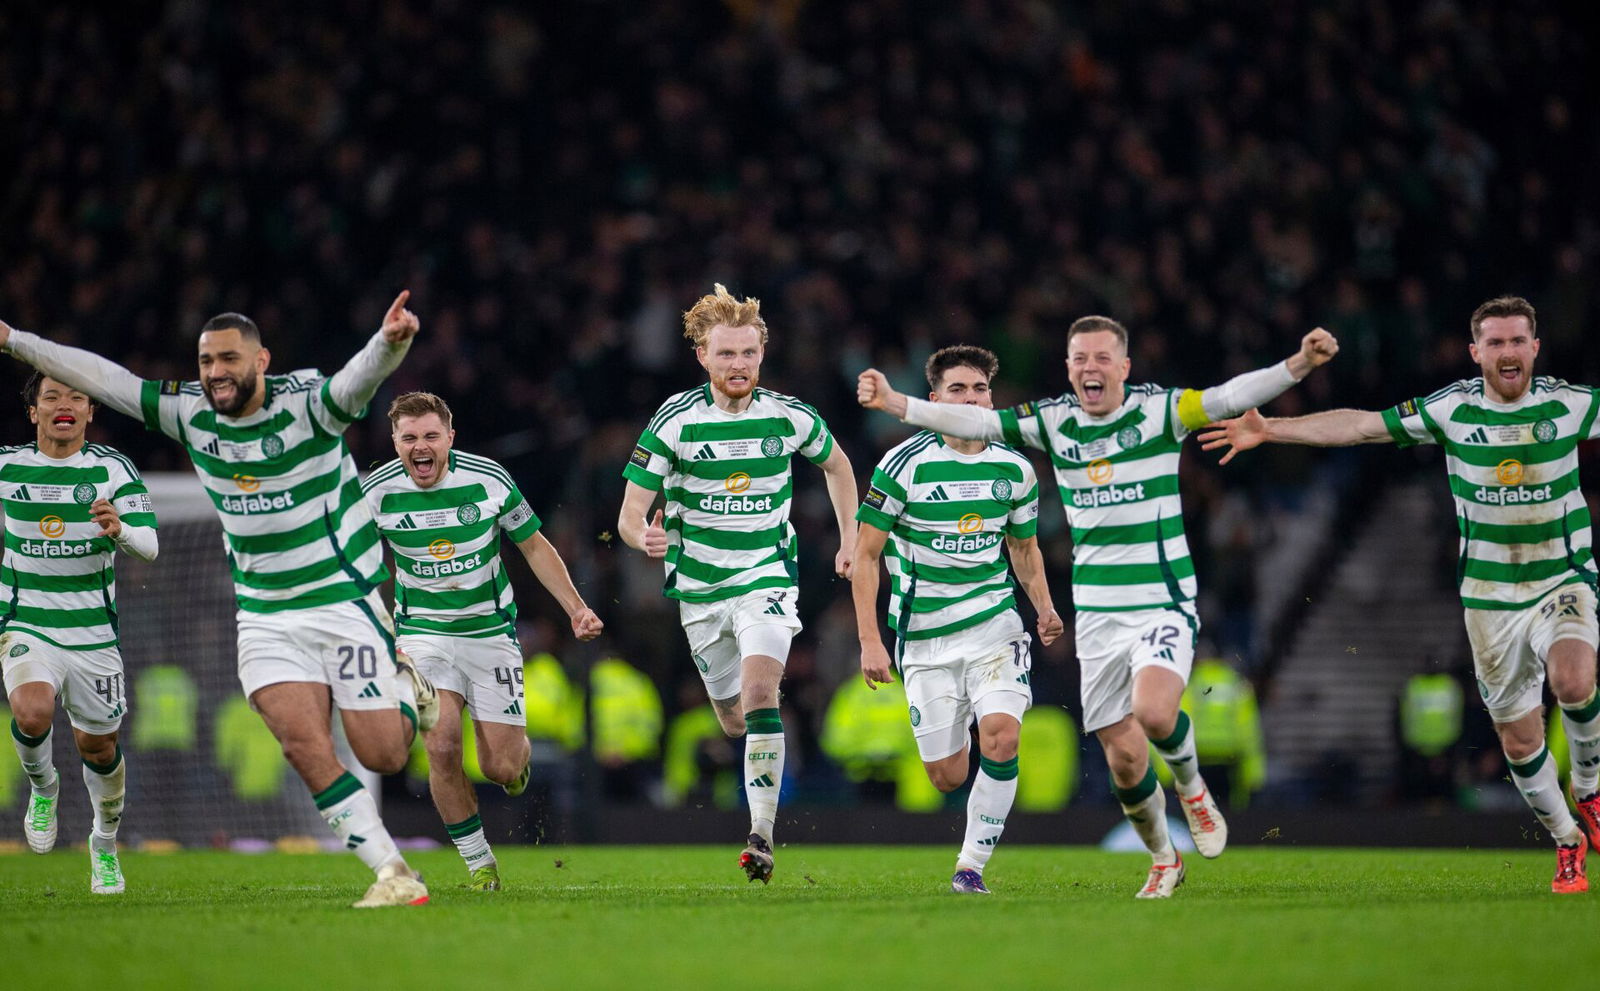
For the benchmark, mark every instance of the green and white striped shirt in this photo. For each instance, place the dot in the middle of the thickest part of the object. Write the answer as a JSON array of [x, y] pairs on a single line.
[[297, 531], [947, 515], [1513, 470], [59, 574], [1118, 476], [446, 543], [728, 484]]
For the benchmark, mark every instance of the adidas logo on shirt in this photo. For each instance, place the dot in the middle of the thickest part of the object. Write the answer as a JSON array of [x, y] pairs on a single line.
[[938, 494], [705, 453], [213, 448], [406, 523], [1478, 436], [371, 691]]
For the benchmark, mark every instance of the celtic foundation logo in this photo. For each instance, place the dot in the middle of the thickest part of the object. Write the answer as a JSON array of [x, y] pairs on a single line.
[[1544, 431], [468, 514], [83, 493], [1128, 438], [1001, 490], [916, 716], [52, 526], [271, 446], [771, 447]]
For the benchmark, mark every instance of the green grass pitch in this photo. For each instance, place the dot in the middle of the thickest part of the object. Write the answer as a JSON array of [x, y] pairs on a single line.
[[874, 918]]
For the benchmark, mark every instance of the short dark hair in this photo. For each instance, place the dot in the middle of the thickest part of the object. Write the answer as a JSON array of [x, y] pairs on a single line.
[[1504, 306], [1089, 325], [30, 390], [956, 355], [234, 321], [418, 404]]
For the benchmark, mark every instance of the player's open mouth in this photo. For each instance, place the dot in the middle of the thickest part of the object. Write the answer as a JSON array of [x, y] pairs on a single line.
[[64, 420], [1093, 390], [422, 465], [220, 388], [1510, 373]]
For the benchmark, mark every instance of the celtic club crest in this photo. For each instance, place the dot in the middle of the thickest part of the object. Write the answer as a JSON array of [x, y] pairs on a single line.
[[271, 446], [916, 717], [468, 514], [83, 493], [771, 447], [1002, 490], [1544, 431], [1128, 438]]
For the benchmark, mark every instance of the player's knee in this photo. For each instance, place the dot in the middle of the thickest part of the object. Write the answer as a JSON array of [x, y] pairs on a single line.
[[1572, 687], [948, 777], [443, 751], [1157, 721], [304, 753], [389, 760], [1520, 742], [1001, 744], [33, 720]]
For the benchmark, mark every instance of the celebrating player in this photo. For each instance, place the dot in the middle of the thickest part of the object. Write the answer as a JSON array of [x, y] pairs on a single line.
[[944, 506], [1115, 449], [69, 507], [442, 512], [722, 453], [313, 630], [1527, 572]]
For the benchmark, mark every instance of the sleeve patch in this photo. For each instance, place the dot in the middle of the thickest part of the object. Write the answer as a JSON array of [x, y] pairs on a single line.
[[170, 387], [875, 498], [641, 457], [1025, 410], [1408, 408], [522, 514]]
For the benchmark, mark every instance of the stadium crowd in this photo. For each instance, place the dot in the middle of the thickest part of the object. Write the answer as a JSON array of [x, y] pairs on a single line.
[[887, 179]]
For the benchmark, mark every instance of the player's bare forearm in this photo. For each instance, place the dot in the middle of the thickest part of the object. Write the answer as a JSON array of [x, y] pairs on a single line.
[[841, 481], [1028, 563], [545, 562], [1332, 428], [864, 580]]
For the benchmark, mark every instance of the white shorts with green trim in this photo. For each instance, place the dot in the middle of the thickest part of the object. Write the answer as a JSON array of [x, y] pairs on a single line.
[[89, 683], [722, 634], [1115, 646], [486, 671], [953, 680], [348, 646], [1510, 647]]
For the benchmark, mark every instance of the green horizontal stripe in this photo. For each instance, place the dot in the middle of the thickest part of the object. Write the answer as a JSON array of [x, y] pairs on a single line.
[[772, 426], [363, 541], [733, 540], [873, 517], [886, 483], [450, 600], [642, 478], [477, 627], [450, 497], [991, 510], [722, 592], [964, 471], [923, 603], [421, 537], [1087, 433], [47, 638], [1527, 571], [710, 574], [1471, 413], [339, 412], [721, 468], [1483, 456], [957, 575], [1497, 605], [1575, 522], [51, 475], [230, 431], [58, 619], [33, 512], [327, 595], [94, 581], [1131, 533], [957, 626], [307, 492], [1132, 574], [317, 446], [139, 519], [650, 442]]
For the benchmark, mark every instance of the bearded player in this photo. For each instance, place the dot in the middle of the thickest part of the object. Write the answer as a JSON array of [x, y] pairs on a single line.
[[1527, 571], [720, 454]]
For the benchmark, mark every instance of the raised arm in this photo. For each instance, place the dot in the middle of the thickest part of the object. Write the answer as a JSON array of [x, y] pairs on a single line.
[[551, 571], [636, 530], [85, 371], [354, 385], [1028, 563], [1252, 389], [970, 422], [134, 532], [842, 493], [864, 579], [1333, 428]]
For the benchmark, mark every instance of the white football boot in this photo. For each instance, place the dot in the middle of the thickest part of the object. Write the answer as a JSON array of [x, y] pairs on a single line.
[[1206, 825]]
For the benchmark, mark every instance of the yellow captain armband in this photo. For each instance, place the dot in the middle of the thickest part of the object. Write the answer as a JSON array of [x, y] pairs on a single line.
[[1191, 411]]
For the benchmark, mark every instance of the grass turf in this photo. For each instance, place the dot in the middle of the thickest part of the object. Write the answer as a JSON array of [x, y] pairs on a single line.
[[834, 917]]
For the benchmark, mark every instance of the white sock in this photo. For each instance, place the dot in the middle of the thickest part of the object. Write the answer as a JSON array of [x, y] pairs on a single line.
[[350, 812], [1145, 805], [106, 790], [1582, 723], [993, 791], [1178, 751], [470, 842], [1540, 785], [763, 777], [38, 763]]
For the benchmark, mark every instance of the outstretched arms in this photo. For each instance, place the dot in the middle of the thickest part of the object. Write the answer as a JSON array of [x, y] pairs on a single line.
[[354, 385], [1247, 391], [970, 422], [86, 371], [1333, 428]]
